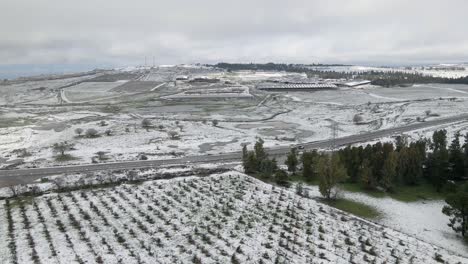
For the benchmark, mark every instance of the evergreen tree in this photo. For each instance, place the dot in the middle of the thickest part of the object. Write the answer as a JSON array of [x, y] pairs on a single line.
[[281, 177], [400, 143], [292, 161], [331, 172], [465, 156], [245, 154], [410, 165], [365, 173], [457, 210], [387, 148], [267, 168], [309, 161], [263, 166], [456, 158], [438, 160], [351, 157], [376, 163], [260, 152], [439, 140], [389, 171], [250, 165]]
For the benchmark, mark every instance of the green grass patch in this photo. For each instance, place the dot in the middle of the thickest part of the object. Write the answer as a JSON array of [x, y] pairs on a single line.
[[404, 193], [355, 208], [355, 187], [16, 202], [66, 157], [423, 191], [299, 178]]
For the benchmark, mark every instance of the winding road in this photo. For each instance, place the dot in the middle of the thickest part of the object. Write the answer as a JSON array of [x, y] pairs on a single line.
[[23, 176]]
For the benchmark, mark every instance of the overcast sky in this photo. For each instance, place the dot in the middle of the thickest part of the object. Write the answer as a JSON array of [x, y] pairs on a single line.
[[122, 32]]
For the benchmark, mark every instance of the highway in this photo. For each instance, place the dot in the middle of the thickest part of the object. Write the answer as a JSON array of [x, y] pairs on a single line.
[[22, 176]]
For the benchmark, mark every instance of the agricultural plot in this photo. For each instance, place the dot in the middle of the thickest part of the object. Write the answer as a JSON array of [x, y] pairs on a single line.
[[90, 91], [40, 91], [114, 77], [225, 218]]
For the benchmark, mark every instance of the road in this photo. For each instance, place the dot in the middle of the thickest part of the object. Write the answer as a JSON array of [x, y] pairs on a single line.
[[22, 176]]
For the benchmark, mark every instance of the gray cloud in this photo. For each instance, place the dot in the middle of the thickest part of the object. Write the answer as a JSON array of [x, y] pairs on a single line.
[[122, 32]]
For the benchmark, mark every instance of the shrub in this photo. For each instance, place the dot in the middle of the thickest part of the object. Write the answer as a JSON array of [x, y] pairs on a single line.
[[92, 133], [357, 118], [146, 124], [79, 131], [173, 134]]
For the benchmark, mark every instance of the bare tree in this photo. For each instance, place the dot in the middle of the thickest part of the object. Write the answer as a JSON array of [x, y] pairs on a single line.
[[60, 182], [132, 175], [79, 131], [17, 189], [146, 124], [62, 147], [34, 190], [81, 181], [100, 178], [173, 134], [92, 133]]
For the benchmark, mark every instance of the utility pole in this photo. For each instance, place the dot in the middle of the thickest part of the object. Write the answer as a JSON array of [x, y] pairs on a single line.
[[334, 127]]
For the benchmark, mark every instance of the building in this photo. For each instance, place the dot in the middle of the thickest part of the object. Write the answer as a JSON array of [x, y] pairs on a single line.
[[296, 86]]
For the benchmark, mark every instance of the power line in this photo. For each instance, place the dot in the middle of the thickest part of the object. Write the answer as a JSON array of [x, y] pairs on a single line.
[[334, 127]]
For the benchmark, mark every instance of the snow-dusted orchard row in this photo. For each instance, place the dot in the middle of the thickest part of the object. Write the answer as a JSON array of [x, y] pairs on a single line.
[[224, 218]]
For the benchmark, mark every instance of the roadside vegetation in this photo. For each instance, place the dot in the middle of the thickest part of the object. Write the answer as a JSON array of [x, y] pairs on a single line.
[[330, 169], [354, 208]]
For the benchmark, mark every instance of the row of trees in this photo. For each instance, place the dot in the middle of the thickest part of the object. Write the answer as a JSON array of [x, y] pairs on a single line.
[[90, 132], [329, 167], [384, 166], [387, 165], [256, 162], [381, 78]]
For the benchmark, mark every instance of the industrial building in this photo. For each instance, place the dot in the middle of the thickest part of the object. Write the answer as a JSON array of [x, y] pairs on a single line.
[[295, 86]]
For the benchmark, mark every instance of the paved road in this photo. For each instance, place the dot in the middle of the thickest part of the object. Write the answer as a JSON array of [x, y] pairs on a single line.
[[11, 177]]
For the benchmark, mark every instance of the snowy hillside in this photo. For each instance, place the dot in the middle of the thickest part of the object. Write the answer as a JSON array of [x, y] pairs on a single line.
[[227, 218]]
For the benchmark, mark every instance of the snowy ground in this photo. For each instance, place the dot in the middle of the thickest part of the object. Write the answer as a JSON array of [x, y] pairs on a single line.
[[411, 218], [281, 119], [215, 219]]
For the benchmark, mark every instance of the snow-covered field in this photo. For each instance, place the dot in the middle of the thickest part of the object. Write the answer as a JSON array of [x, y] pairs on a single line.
[[410, 218], [281, 119], [216, 219]]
